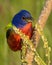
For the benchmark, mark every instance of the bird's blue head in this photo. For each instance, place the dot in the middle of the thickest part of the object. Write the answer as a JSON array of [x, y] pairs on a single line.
[[21, 18]]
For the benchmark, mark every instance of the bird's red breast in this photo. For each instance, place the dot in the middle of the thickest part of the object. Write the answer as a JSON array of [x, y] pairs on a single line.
[[27, 29], [14, 40]]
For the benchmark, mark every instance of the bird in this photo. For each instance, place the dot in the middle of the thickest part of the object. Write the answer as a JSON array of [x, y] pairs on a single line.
[[23, 21]]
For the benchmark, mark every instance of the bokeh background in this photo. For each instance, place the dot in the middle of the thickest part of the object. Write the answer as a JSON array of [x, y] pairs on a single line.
[[8, 8]]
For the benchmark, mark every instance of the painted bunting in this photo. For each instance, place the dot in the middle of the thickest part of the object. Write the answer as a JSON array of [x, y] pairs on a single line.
[[23, 21]]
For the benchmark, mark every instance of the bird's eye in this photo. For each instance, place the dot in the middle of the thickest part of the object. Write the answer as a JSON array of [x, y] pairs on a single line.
[[23, 18]]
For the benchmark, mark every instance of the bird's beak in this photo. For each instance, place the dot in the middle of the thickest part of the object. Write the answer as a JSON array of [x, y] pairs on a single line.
[[30, 20]]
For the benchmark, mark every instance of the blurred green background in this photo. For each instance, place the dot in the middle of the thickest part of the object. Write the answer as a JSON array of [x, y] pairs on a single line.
[[8, 8]]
